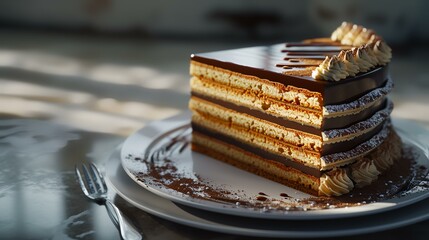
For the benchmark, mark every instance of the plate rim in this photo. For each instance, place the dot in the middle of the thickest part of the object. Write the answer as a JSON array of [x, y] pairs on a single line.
[[338, 213], [114, 164]]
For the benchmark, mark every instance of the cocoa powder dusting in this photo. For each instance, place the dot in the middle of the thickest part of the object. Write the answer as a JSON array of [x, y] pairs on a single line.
[[167, 175]]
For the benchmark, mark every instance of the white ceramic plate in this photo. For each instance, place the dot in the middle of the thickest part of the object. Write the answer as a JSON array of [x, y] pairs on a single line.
[[233, 179], [164, 208]]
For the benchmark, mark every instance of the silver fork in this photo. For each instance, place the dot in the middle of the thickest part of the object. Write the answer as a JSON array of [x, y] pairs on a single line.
[[96, 190]]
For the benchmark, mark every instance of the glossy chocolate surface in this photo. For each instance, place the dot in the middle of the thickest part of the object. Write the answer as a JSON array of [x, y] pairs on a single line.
[[269, 62]]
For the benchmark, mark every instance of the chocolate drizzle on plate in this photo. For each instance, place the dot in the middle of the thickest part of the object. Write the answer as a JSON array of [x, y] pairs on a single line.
[[285, 195]]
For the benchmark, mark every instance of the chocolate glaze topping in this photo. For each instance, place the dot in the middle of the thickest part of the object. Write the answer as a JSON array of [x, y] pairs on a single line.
[[267, 62]]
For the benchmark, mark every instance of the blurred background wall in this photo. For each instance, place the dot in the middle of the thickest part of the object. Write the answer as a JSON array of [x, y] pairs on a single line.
[[269, 20], [115, 65]]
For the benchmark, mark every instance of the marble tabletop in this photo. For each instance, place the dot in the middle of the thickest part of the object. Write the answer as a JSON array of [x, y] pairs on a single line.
[[68, 98]]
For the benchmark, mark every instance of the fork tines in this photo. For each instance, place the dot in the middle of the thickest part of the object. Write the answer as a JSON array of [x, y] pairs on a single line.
[[91, 180]]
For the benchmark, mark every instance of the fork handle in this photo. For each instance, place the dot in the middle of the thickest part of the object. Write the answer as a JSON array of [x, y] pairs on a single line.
[[127, 230]]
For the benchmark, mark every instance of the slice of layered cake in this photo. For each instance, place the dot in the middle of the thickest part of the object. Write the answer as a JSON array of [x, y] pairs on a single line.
[[312, 115]]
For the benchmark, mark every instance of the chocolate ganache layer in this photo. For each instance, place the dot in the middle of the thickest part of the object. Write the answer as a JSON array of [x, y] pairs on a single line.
[[257, 151], [328, 123], [343, 145], [269, 62]]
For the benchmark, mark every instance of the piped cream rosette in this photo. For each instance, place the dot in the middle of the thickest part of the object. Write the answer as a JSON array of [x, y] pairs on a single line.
[[368, 52]]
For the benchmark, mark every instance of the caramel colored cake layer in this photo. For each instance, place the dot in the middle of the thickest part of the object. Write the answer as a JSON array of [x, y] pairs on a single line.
[[313, 115]]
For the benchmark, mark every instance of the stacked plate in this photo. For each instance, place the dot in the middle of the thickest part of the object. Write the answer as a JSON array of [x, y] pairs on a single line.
[[130, 177]]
